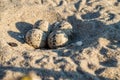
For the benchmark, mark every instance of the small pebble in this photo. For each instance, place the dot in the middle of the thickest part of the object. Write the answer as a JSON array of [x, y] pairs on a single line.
[[78, 43]]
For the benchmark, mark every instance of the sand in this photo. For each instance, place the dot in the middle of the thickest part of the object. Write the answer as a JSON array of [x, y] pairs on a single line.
[[95, 22]]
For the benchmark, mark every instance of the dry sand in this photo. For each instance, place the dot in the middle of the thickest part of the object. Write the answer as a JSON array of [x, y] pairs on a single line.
[[96, 23]]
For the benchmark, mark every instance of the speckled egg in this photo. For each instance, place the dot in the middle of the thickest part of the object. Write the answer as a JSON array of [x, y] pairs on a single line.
[[36, 38], [57, 39], [65, 27], [42, 25]]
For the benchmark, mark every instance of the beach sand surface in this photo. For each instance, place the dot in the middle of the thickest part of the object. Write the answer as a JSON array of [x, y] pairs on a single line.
[[96, 23]]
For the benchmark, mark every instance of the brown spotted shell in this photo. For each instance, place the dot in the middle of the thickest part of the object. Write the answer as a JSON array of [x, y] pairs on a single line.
[[57, 39], [65, 27], [42, 25], [36, 38]]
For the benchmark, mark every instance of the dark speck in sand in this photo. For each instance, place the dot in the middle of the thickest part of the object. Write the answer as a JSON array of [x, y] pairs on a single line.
[[12, 44]]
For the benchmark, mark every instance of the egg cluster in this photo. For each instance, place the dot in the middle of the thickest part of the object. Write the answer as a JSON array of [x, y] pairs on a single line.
[[43, 34]]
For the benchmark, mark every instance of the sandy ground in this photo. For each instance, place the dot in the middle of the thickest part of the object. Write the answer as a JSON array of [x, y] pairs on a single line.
[[95, 22]]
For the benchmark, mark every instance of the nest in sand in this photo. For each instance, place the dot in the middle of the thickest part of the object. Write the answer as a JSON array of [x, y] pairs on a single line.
[[43, 34]]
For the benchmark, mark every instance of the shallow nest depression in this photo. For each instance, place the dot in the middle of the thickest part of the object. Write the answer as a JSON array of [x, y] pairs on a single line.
[[95, 23]]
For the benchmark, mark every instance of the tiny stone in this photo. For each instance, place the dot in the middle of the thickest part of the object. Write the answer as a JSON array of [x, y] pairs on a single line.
[[79, 43]]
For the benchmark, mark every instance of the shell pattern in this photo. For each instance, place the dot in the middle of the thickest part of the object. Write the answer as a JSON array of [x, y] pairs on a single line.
[[57, 39], [40, 35], [42, 25], [36, 38], [65, 27]]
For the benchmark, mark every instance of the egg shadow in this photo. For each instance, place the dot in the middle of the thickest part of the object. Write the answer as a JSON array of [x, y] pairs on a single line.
[[23, 27]]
